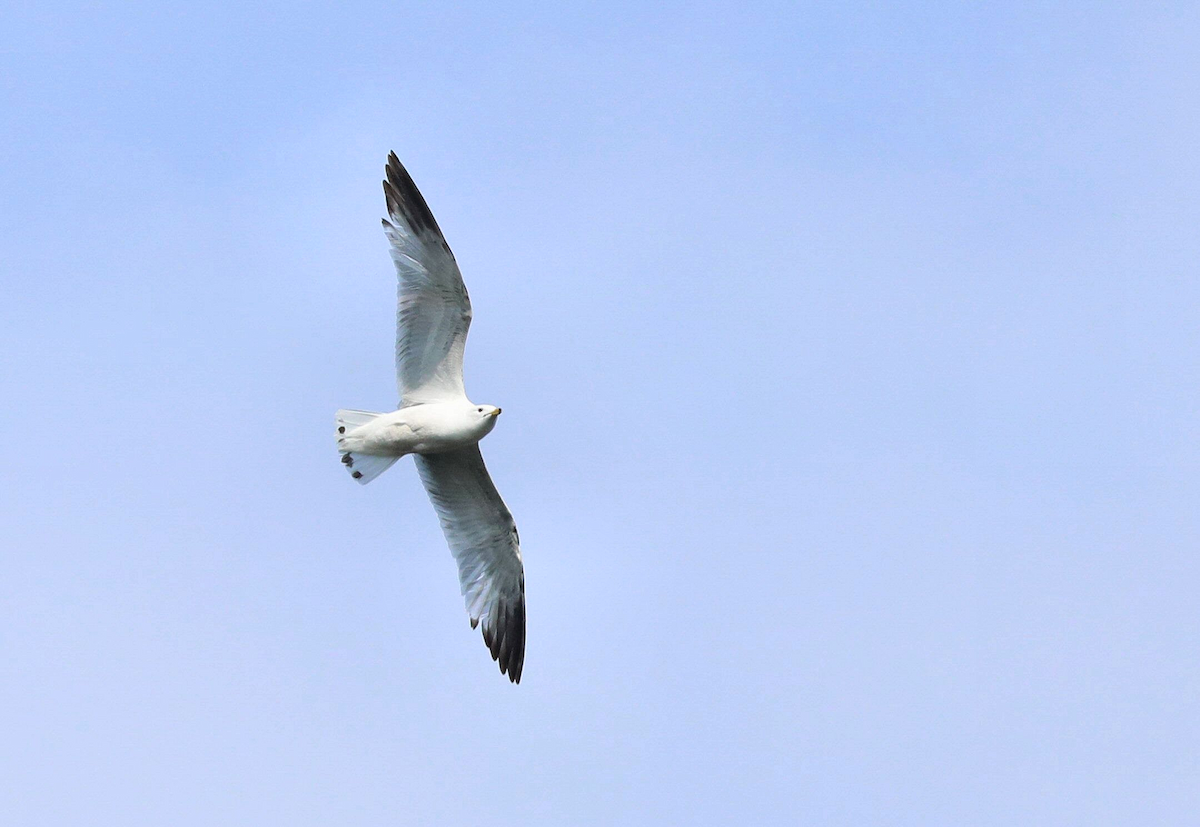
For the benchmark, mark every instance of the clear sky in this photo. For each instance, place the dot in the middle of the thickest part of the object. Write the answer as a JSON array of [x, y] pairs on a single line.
[[848, 355]]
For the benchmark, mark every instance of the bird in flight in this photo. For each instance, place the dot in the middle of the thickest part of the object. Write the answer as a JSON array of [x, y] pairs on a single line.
[[440, 426]]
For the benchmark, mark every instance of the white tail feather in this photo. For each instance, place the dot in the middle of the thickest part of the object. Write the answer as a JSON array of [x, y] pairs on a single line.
[[363, 467], [366, 467], [351, 419]]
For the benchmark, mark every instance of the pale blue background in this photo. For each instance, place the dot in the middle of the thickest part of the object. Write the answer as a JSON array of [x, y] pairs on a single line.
[[848, 355]]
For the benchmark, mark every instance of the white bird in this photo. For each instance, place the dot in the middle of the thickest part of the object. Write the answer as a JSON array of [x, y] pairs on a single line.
[[440, 426]]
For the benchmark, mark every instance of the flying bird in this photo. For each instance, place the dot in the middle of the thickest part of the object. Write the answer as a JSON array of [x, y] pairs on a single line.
[[440, 426]]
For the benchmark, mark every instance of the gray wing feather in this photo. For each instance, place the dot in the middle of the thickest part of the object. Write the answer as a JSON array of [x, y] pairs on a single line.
[[483, 538], [433, 308]]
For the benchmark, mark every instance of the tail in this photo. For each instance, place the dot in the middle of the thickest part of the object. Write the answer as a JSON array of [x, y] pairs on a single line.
[[363, 467]]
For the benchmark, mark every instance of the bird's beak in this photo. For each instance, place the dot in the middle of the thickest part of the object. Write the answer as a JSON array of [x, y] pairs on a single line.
[[496, 412]]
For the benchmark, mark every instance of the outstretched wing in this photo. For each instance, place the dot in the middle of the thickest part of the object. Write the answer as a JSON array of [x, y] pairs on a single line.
[[433, 311], [483, 539]]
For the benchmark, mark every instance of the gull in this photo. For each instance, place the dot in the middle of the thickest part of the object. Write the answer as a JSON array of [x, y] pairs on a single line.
[[440, 426]]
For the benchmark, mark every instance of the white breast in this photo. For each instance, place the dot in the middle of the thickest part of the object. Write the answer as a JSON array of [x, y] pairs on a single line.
[[426, 429]]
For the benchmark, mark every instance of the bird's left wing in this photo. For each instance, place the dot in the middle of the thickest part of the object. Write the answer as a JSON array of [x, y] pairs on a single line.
[[433, 309], [483, 538]]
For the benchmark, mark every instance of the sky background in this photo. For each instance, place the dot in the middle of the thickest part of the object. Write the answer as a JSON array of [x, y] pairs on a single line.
[[848, 355]]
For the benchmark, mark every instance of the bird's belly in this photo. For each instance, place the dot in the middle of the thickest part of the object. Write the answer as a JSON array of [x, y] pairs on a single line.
[[398, 438], [437, 443]]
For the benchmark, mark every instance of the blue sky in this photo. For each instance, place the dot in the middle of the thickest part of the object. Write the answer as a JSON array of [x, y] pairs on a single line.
[[848, 355]]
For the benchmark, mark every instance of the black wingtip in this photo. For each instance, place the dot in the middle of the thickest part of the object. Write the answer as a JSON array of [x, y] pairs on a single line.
[[404, 200], [504, 636]]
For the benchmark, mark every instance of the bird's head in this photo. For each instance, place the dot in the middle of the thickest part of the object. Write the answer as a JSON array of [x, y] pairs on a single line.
[[486, 415]]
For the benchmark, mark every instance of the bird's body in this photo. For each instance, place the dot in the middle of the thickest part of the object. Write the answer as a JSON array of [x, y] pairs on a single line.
[[430, 428], [440, 427]]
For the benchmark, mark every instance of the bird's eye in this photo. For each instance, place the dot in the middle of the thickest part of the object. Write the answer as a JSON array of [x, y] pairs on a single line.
[[481, 410]]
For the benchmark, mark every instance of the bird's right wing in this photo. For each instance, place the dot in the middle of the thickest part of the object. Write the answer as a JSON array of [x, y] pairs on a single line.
[[483, 538], [434, 310]]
